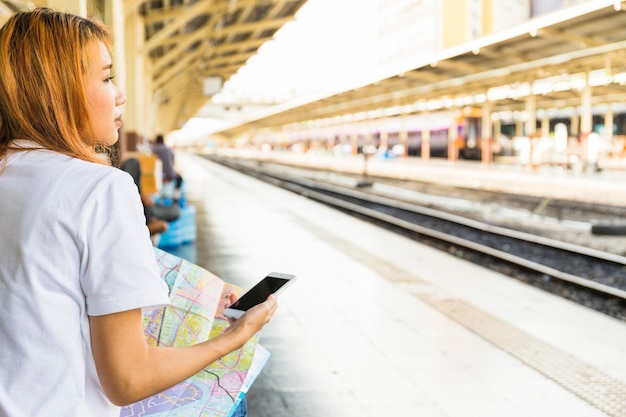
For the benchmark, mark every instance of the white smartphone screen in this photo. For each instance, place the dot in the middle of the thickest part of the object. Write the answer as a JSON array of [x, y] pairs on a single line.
[[274, 282]]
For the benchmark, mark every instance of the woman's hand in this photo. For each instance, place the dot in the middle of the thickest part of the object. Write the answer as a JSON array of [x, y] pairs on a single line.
[[131, 370], [254, 319]]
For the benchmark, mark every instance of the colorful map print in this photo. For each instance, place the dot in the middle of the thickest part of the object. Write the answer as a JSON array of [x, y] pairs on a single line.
[[197, 301]]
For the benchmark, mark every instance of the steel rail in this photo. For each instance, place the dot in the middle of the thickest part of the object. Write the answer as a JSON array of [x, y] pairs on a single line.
[[306, 187]]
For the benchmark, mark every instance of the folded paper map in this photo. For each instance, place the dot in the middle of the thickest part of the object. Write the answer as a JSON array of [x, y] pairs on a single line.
[[197, 299]]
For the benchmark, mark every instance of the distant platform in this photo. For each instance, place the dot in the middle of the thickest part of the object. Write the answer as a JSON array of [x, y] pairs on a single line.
[[607, 186]]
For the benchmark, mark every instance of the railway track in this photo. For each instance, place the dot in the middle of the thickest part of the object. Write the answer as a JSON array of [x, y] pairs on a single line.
[[588, 276]]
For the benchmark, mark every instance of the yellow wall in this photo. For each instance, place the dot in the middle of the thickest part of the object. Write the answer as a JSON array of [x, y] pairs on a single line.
[[488, 16], [456, 15], [455, 24]]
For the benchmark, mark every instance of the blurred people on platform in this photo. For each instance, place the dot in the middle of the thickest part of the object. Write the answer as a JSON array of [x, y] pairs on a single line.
[[166, 155]]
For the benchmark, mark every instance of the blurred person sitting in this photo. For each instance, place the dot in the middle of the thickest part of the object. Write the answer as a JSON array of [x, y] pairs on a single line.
[[156, 224]]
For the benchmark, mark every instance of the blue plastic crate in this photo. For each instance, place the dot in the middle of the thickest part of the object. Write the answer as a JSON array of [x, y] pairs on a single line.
[[181, 230], [187, 221]]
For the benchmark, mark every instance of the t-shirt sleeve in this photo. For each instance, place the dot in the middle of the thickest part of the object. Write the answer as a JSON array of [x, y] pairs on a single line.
[[119, 271]]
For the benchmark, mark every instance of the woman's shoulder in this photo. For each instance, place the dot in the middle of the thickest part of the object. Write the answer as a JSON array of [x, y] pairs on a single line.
[[47, 165], [78, 174], [99, 173]]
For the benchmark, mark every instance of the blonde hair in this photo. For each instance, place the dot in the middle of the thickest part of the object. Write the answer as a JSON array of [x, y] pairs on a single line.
[[44, 55]]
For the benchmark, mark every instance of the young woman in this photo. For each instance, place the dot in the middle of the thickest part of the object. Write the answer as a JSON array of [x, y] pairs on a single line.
[[76, 261]]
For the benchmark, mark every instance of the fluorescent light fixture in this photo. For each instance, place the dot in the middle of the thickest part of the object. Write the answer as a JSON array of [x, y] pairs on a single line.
[[211, 85]]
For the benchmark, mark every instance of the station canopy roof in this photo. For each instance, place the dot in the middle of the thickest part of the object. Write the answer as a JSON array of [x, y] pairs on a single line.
[[548, 56], [191, 41]]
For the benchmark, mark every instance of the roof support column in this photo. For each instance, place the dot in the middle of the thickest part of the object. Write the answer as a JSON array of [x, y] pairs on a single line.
[[425, 151], [316, 140], [609, 123], [586, 119], [519, 127], [343, 138], [453, 138], [78, 7], [574, 125], [369, 135], [497, 129], [531, 127], [545, 127], [330, 142], [531, 116], [354, 141], [486, 142], [384, 137], [136, 112], [404, 137], [607, 134]]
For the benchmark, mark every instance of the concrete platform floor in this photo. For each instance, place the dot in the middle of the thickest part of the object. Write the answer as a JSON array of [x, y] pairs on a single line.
[[368, 329]]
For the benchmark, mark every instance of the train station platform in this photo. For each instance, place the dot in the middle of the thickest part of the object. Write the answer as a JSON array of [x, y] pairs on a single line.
[[604, 186], [379, 325]]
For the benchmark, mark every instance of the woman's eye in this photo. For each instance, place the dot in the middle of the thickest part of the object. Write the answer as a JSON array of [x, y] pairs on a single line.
[[109, 79]]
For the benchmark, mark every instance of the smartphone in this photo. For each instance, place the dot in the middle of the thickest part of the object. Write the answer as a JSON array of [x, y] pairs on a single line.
[[274, 282]]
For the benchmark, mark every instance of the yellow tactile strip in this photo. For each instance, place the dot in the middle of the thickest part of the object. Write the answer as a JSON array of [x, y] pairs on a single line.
[[594, 386]]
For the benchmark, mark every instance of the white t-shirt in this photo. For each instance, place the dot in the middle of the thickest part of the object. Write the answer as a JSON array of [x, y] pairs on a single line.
[[73, 244]]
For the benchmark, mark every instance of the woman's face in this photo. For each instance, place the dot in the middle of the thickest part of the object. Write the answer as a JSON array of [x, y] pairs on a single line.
[[103, 98]]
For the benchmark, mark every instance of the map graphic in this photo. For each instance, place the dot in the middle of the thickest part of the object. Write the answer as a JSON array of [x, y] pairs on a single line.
[[197, 299]]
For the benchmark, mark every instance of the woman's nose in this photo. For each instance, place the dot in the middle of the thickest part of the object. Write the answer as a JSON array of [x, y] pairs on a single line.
[[121, 97]]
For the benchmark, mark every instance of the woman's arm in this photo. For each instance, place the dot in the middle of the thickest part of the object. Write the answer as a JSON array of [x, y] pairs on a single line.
[[131, 370]]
